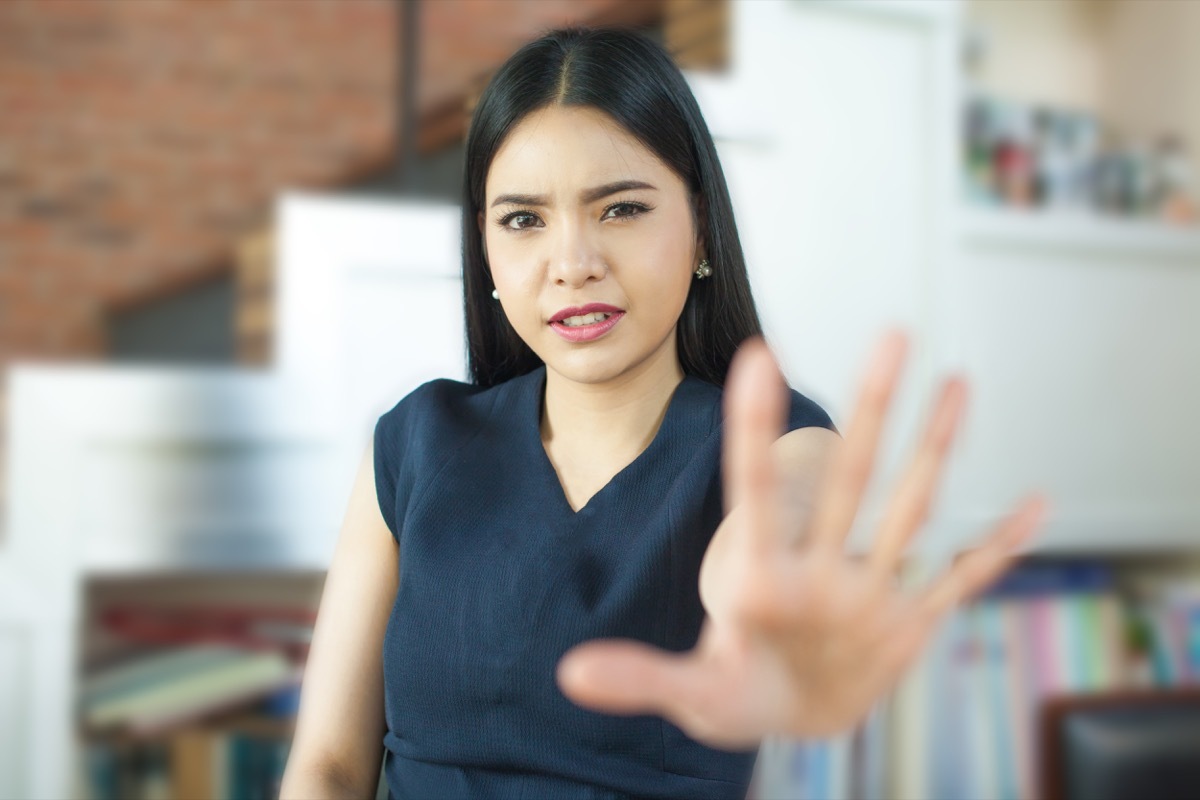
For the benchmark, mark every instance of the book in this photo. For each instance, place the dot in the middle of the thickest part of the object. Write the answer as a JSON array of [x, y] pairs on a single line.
[[164, 689], [1035, 578], [239, 762]]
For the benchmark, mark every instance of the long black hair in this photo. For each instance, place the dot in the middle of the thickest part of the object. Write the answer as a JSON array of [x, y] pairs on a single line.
[[633, 80]]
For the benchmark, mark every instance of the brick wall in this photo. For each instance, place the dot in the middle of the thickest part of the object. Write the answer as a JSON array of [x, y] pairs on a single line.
[[140, 139]]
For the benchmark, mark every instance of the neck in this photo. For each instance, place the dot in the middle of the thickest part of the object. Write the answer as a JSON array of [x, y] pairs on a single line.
[[615, 417]]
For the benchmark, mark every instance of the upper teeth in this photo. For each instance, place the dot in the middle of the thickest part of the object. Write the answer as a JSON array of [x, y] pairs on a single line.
[[585, 319]]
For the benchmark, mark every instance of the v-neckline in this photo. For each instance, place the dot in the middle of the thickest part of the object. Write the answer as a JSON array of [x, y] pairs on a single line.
[[533, 425]]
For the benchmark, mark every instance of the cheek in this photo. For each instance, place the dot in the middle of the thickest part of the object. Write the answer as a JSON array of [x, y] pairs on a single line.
[[665, 263], [509, 261], [516, 281]]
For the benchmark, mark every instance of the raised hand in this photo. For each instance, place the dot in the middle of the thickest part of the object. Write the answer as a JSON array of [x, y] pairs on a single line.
[[801, 639]]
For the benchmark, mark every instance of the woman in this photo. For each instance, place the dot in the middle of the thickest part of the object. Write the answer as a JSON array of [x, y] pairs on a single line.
[[607, 590]]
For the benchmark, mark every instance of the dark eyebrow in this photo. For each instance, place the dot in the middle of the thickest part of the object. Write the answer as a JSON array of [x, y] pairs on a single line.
[[588, 195], [520, 200], [592, 195]]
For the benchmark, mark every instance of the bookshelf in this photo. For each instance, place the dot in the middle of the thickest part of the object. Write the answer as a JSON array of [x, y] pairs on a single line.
[[235, 757], [216, 723]]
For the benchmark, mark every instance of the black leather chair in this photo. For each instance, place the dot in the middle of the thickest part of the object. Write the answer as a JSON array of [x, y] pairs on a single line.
[[1142, 745]]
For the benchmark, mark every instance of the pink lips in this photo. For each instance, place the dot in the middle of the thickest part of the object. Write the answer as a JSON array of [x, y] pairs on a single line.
[[586, 333]]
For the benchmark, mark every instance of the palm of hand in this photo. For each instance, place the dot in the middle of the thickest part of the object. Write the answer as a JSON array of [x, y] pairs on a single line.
[[800, 639]]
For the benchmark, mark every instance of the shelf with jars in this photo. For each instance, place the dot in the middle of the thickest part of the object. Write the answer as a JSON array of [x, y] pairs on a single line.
[[1075, 115]]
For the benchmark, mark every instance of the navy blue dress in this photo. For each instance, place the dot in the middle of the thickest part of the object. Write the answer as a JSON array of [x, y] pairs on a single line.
[[499, 577]]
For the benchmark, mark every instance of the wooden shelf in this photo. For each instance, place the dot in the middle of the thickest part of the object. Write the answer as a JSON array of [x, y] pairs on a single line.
[[1091, 233], [233, 722]]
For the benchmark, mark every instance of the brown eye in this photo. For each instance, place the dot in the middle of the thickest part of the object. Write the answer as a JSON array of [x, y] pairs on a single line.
[[617, 210], [519, 221]]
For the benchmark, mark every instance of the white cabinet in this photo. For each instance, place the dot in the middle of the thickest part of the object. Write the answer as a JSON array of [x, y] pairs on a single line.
[[370, 307], [836, 129], [1082, 342]]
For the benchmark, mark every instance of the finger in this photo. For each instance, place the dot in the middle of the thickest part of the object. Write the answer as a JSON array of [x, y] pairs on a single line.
[[851, 465], [909, 506], [975, 570], [755, 416], [619, 676]]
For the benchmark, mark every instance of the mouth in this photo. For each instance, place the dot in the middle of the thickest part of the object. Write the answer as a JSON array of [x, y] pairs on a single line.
[[577, 316], [583, 320], [586, 327]]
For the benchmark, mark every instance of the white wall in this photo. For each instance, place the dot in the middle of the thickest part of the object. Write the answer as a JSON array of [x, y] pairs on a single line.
[[1154, 72], [834, 131], [1049, 51], [1083, 346], [1134, 63]]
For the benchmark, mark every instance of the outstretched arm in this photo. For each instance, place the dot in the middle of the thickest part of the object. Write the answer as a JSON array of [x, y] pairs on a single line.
[[801, 639]]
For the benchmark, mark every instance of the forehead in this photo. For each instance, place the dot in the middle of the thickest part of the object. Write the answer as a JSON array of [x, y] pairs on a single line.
[[564, 147]]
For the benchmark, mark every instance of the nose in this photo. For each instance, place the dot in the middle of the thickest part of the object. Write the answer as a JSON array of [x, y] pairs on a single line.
[[576, 257]]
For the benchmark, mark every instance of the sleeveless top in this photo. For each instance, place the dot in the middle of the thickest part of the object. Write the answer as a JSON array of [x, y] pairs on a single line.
[[499, 577]]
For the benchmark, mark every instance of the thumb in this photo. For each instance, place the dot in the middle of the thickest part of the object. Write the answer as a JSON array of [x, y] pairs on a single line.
[[621, 676]]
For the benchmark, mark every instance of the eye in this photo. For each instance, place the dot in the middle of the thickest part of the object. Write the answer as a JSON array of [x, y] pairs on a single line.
[[625, 209], [519, 221]]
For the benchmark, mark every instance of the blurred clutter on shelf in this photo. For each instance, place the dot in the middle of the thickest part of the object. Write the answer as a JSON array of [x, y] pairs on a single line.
[[1021, 155]]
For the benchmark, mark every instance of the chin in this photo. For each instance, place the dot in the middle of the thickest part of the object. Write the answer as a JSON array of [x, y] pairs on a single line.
[[595, 365], [605, 359], [582, 367]]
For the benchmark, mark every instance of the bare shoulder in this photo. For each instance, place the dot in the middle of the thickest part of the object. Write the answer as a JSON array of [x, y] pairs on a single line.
[[364, 519]]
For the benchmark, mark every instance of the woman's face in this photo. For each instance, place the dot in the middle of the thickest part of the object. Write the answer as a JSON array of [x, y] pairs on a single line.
[[578, 212]]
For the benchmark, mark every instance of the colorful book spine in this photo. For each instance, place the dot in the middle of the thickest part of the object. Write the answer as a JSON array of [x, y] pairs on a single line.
[[1019, 697], [1067, 645], [1001, 700], [905, 730], [1115, 652], [1047, 666], [984, 767], [196, 763]]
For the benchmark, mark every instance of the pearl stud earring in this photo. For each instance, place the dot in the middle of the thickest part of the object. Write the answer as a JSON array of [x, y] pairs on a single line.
[[495, 294], [704, 270]]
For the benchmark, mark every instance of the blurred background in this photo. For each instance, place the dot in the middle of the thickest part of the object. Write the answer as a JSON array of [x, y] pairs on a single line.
[[228, 243]]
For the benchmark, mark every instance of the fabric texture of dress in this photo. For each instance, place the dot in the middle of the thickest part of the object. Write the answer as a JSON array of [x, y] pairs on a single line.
[[499, 577]]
